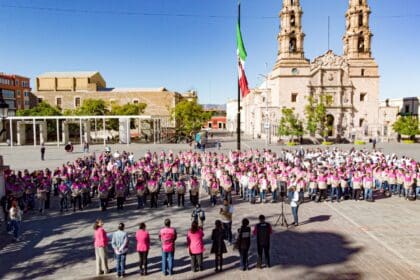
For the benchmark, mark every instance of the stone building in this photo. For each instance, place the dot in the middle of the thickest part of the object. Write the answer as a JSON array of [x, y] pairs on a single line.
[[351, 80], [67, 90]]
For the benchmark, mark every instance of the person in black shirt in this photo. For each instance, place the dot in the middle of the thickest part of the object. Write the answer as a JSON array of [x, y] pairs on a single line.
[[218, 247], [42, 151], [244, 242], [263, 231]]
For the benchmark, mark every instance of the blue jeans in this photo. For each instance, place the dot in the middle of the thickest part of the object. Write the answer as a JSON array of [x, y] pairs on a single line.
[[262, 195], [245, 189], [213, 199], [295, 214], [418, 191], [16, 228], [252, 194], [334, 193], [140, 201], [120, 264], [274, 197], [368, 194], [167, 263]]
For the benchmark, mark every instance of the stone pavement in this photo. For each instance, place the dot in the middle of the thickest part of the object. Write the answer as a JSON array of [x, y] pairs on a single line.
[[347, 240]]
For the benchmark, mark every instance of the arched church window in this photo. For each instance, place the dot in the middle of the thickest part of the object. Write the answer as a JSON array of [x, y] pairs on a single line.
[[292, 2], [360, 18], [360, 2], [292, 45], [361, 44], [292, 19]]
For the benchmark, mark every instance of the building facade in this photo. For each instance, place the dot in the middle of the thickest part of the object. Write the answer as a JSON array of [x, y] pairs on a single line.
[[16, 92], [67, 90], [350, 81]]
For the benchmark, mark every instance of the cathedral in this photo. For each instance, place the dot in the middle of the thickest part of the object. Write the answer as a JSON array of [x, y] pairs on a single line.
[[351, 80]]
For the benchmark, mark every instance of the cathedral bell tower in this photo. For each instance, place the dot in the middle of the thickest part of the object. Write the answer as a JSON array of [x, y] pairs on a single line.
[[358, 37], [291, 37]]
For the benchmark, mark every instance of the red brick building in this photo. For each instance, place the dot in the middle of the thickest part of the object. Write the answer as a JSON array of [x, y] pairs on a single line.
[[16, 92]]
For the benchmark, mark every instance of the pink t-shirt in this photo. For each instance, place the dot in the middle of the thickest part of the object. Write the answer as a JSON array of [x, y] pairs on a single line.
[[167, 236], [101, 240], [143, 240], [195, 242]]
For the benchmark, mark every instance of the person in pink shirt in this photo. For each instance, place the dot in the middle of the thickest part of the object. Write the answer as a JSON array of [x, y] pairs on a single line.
[[143, 246], [101, 244], [167, 236], [196, 246]]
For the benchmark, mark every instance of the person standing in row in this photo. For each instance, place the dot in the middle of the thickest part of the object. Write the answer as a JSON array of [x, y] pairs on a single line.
[[218, 247], [120, 246], [168, 236], [143, 246], [15, 216], [101, 245], [243, 243], [226, 213], [294, 204], [263, 231], [196, 246]]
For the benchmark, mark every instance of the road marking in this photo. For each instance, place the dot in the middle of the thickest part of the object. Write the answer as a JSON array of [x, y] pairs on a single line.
[[371, 235]]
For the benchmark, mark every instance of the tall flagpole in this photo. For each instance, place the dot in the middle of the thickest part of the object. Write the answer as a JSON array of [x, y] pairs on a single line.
[[238, 126]]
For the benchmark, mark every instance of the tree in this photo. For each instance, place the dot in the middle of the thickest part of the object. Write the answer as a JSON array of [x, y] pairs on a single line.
[[407, 125], [290, 125], [189, 117], [41, 109], [92, 107], [316, 115], [128, 109]]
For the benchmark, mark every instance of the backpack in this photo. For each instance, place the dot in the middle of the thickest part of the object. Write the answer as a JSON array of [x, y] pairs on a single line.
[[202, 215]]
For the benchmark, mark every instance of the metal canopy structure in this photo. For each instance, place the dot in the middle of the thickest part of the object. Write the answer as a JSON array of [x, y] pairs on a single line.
[[159, 123]]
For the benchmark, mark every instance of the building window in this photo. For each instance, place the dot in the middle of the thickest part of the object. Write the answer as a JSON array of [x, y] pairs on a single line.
[[360, 19], [26, 93], [361, 44], [8, 94], [361, 121], [58, 102], [407, 108], [76, 102], [135, 101], [385, 130], [362, 97], [17, 83], [40, 99], [209, 125], [294, 97], [220, 125], [362, 72]]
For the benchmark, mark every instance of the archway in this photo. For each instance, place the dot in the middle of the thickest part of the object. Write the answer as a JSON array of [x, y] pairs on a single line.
[[330, 125]]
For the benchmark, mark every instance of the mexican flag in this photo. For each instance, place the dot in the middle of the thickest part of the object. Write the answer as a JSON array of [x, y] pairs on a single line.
[[243, 82]]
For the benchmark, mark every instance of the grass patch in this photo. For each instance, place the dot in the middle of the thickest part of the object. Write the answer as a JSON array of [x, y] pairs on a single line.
[[359, 142], [327, 143], [291, 144], [408, 141]]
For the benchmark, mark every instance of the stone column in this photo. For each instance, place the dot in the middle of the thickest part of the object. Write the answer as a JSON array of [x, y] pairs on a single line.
[[86, 126], [65, 132], [21, 133], [43, 132], [2, 182]]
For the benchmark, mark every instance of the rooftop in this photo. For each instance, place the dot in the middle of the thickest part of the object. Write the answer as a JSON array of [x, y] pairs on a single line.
[[76, 74]]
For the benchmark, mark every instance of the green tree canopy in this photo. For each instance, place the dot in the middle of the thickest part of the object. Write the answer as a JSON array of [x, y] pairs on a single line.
[[407, 125], [92, 107], [41, 109], [189, 117], [316, 115], [290, 125]]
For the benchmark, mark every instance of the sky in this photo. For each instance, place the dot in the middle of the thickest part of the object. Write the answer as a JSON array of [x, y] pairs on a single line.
[[191, 44]]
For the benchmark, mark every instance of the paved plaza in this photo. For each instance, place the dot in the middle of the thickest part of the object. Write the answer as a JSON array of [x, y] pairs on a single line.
[[347, 240]]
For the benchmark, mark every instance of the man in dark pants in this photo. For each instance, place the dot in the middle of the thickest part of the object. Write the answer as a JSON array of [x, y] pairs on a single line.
[[263, 231], [42, 151]]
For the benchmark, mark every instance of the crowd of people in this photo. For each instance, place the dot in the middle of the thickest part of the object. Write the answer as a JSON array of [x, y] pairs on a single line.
[[157, 179]]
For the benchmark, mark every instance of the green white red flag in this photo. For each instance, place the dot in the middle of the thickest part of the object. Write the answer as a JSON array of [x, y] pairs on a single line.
[[242, 55]]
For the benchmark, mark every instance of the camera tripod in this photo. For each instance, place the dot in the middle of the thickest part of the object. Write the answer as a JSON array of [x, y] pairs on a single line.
[[282, 217]]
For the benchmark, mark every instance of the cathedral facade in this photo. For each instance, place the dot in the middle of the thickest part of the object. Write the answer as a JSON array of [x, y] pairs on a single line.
[[350, 80]]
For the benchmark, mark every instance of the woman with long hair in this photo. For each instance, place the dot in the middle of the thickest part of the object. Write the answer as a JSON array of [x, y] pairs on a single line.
[[196, 246], [218, 247], [101, 245]]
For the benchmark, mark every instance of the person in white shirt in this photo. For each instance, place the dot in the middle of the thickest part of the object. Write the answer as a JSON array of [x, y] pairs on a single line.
[[244, 186], [294, 204]]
